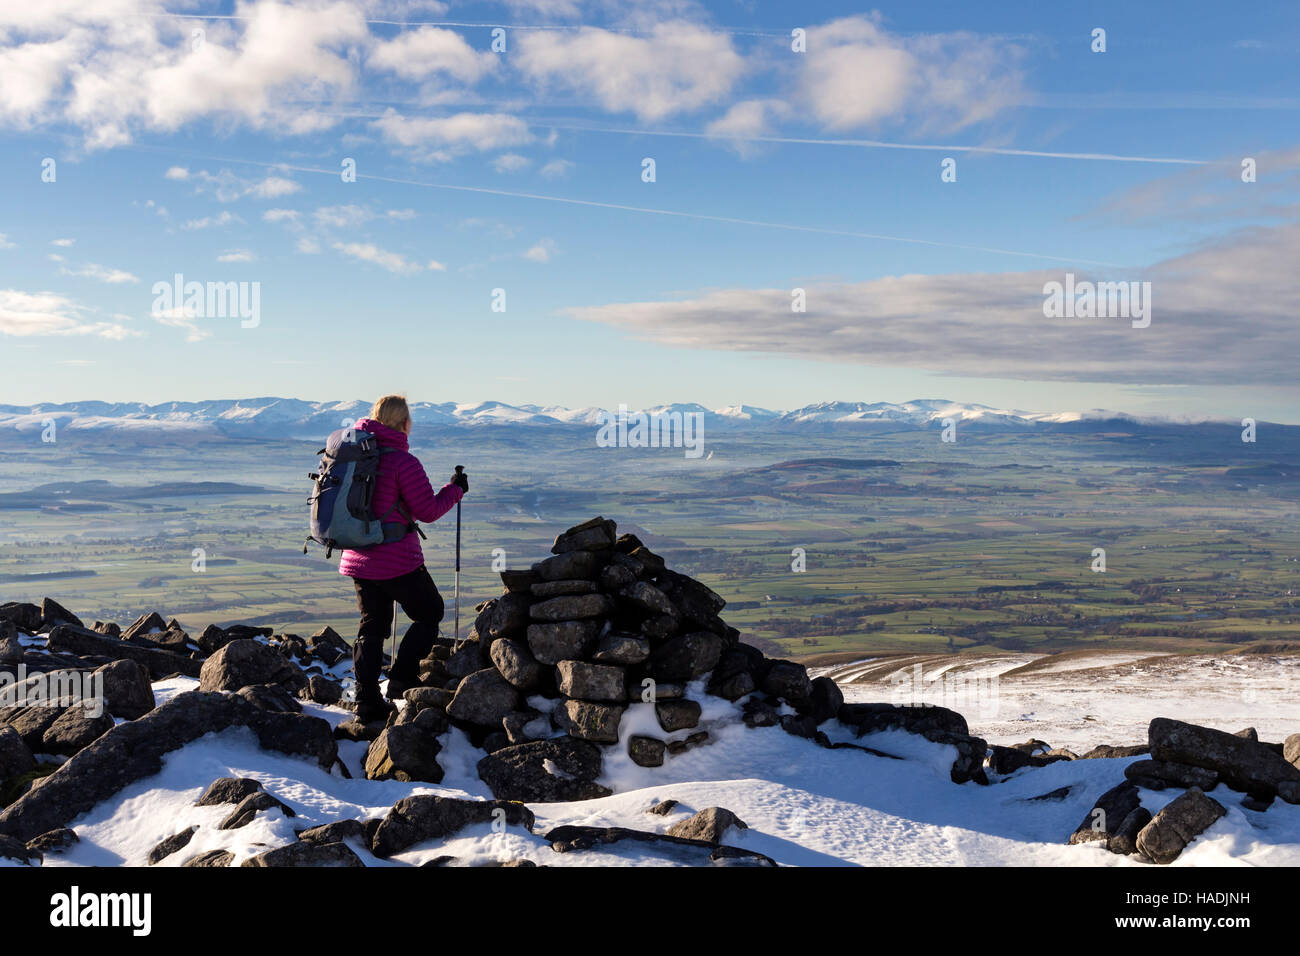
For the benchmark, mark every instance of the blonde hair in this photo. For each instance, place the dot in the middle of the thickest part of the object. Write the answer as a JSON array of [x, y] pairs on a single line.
[[391, 410]]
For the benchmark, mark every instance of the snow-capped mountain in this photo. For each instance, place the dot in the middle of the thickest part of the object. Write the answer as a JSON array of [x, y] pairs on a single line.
[[272, 417]]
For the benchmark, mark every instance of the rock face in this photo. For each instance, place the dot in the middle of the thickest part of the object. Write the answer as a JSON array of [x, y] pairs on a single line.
[[1177, 825], [425, 817], [243, 662], [1241, 763], [133, 750], [544, 771]]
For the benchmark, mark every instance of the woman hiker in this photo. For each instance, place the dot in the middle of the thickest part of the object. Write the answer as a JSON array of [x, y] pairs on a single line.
[[394, 570]]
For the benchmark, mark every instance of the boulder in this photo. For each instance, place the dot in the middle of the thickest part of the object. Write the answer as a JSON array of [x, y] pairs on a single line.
[[516, 663], [686, 657], [646, 751], [788, 681], [600, 682], [144, 625], [15, 756], [25, 617], [588, 721], [52, 613], [550, 589], [1242, 764], [173, 843], [648, 599], [211, 858], [335, 832], [228, 790], [83, 642], [483, 698], [404, 752], [674, 715], [1291, 750], [424, 817], [597, 534], [506, 616], [307, 854], [1124, 840], [1177, 825], [710, 825], [622, 649], [53, 841], [271, 697], [30, 722], [1108, 752], [570, 565], [1107, 814], [557, 770], [467, 659], [572, 607], [825, 700], [562, 640], [74, 729], [16, 850], [244, 662], [322, 690], [569, 838], [128, 694], [134, 749], [248, 808], [1158, 774], [522, 580]]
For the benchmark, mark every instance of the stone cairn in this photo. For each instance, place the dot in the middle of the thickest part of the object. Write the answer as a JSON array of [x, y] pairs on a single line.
[[600, 624]]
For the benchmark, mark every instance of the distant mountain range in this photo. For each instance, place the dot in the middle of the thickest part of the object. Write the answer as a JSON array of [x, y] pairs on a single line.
[[294, 418]]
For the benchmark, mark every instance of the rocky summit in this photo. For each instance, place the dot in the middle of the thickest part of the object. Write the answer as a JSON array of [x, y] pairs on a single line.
[[596, 658]]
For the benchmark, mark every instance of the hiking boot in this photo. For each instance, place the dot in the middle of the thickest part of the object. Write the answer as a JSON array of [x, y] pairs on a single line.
[[371, 707]]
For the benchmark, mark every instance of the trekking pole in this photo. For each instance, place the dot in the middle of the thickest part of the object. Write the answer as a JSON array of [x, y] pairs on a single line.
[[456, 640]]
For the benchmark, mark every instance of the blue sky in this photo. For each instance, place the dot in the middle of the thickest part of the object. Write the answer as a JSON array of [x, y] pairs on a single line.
[[217, 156]]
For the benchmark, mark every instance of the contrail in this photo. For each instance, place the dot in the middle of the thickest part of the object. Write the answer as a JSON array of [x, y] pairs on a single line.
[[648, 210]]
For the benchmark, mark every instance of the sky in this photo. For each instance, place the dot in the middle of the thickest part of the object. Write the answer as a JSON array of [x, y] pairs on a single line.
[[847, 202]]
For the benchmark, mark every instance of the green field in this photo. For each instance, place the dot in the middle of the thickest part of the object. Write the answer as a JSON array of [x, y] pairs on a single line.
[[910, 544]]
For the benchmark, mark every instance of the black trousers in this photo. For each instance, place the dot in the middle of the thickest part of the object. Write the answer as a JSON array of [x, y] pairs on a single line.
[[419, 598]]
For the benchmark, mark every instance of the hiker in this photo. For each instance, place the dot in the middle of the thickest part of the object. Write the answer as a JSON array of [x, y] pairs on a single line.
[[395, 570]]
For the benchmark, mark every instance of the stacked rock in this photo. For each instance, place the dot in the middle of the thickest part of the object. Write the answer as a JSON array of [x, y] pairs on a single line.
[[600, 624]]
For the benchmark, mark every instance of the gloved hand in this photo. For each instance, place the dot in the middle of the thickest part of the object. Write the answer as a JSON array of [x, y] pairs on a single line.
[[461, 481]]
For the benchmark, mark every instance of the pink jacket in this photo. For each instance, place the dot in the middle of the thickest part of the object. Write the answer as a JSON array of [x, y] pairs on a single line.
[[401, 476]]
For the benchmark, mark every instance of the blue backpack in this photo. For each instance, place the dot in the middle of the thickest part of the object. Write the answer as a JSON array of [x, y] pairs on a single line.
[[342, 513]]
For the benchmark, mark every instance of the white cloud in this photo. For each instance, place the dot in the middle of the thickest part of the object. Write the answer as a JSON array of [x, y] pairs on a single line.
[[62, 242], [855, 74], [177, 172], [101, 273], [1223, 314], [45, 313], [400, 214], [436, 266], [280, 215], [225, 218], [679, 67], [308, 246], [4, 241], [341, 217], [236, 255], [272, 187], [541, 252], [367, 252], [418, 54], [748, 118], [180, 318], [439, 138], [510, 163], [556, 168]]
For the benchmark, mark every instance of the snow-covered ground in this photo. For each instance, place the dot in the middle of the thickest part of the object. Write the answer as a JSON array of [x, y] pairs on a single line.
[[1082, 700], [805, 805]]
